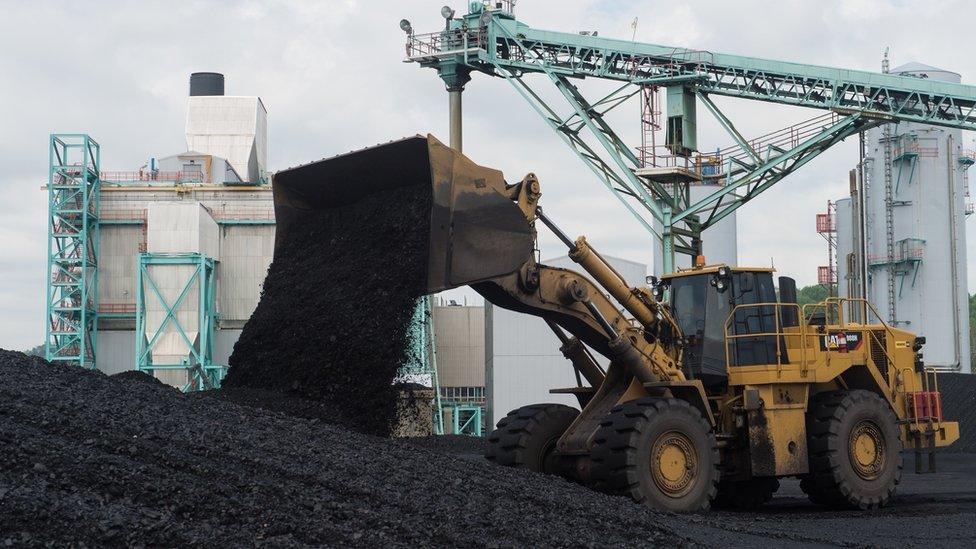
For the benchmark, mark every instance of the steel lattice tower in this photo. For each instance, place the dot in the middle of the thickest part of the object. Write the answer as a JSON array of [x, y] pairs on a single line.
[[73, 198]]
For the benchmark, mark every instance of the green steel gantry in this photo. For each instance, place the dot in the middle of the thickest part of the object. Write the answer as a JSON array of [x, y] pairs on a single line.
[[490, 40], [199, 281], [72, 189]]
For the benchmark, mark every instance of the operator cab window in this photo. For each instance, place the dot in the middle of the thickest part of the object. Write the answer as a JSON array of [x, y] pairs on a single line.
[[700, 311]]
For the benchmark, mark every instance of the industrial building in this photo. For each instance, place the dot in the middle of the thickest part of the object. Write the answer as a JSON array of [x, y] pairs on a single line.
[[901, 235], [174, 252]]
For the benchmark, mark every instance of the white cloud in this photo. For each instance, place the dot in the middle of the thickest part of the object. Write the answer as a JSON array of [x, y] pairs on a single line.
[[332, 78]]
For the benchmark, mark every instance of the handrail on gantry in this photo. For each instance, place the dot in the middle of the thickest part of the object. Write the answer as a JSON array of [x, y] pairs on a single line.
[[893, 97]]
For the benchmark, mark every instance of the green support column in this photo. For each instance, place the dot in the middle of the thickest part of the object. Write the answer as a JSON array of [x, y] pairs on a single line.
[[667, 242]]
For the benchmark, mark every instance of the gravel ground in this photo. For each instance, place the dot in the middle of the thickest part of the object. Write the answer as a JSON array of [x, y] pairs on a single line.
[[92, 460], [332, 323]]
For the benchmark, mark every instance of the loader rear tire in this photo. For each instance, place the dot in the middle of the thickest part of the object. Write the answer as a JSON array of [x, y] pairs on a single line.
[[746, 495], [855, 450], [658, 451], [526, 437]]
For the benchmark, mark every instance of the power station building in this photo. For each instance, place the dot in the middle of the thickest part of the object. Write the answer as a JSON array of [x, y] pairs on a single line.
[[174, 253]]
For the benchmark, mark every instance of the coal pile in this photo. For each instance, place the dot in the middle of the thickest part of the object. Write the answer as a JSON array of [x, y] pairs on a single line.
[[332, 323], [135, 376], [959, 404], [89, 460]]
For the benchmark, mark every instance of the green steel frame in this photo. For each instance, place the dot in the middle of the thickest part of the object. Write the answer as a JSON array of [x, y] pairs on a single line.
[[465, 419], [202, 372], [423, 355], [73, 198], [493, 42]]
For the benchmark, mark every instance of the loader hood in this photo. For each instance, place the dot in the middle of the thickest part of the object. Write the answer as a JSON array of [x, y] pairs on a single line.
[[476, 231]]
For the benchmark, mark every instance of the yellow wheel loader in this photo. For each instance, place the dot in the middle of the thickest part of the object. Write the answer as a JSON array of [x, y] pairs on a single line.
[[717, 385]]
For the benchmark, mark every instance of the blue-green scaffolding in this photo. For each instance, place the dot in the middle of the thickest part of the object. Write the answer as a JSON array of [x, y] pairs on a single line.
[[73, 202], [201, 371]]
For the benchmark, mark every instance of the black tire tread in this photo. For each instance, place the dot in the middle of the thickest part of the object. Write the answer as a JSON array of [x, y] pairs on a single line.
[[613, 459], [827, 484], [507, 443]]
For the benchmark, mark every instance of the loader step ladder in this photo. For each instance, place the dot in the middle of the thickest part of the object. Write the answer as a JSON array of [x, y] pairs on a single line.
[[924, 444]]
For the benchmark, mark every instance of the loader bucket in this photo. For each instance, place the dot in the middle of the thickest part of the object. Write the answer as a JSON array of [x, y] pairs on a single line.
[[476, 231]]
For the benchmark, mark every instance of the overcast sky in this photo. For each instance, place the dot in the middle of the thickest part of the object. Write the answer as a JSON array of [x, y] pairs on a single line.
[[331, 75]]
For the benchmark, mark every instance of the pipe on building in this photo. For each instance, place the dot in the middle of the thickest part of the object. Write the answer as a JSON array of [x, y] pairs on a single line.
[[953, 254]]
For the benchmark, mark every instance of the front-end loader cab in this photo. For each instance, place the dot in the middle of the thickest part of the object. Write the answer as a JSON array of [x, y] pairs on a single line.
[[702, 302]]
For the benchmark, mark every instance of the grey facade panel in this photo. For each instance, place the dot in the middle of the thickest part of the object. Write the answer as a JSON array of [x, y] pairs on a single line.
[[116, 351], [460, 338], [118, 251]]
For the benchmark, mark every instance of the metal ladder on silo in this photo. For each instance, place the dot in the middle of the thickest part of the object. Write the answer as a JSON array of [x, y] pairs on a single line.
[[886, 137]]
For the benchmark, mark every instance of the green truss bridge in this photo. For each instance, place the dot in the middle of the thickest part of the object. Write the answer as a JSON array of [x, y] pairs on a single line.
[[490, 40]]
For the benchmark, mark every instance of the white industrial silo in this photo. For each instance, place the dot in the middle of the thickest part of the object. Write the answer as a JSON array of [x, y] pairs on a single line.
[[915, 209]]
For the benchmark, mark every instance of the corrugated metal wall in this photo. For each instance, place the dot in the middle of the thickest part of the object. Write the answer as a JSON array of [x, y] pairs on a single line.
[[246, 252], [460, 337], [116, 350], [118, 248]]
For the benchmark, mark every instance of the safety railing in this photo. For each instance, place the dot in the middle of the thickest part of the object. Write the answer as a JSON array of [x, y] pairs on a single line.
[[779, 334], [826, 223], [116, 308], [192, 176], [826, 274], [124, 215], [909, 249], [786, 138], [910, 146], [239, 213], [436, 44], [833, 310], [856, 307], [734, 159]]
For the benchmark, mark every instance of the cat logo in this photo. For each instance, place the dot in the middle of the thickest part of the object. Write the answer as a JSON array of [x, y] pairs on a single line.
[[840, 341]]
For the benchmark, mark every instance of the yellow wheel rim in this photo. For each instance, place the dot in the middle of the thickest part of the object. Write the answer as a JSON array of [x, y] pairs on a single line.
[[674, 463], [867, 450]]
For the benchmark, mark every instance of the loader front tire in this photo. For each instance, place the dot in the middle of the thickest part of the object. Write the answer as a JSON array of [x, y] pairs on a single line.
[[658, 451], [855, 450], [526, 437]]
